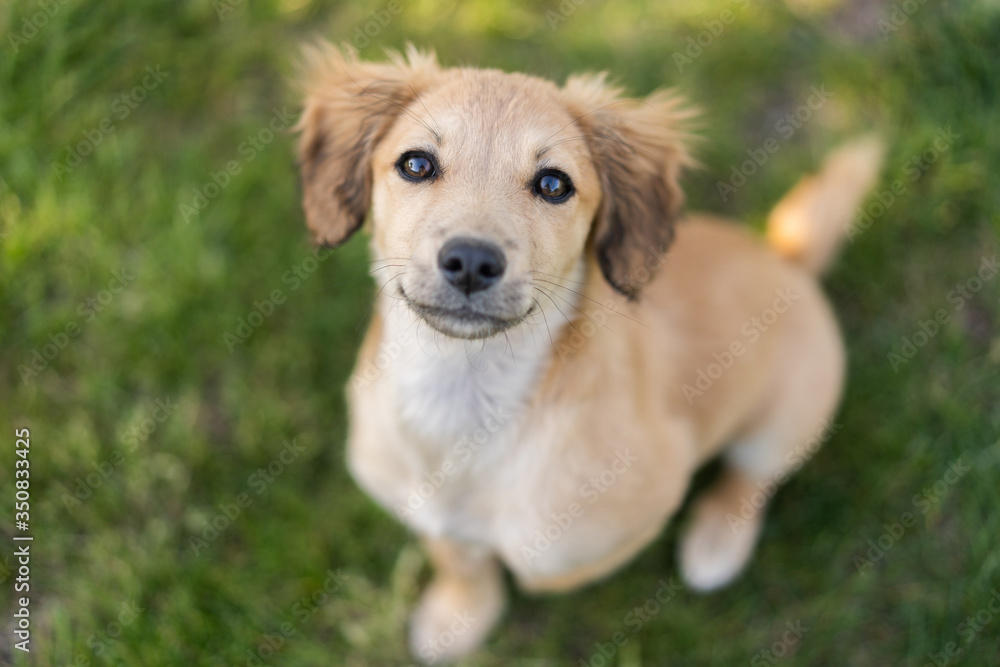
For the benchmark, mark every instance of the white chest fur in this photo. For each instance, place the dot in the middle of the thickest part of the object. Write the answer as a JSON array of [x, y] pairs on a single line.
[[447, 388], [446, 414]]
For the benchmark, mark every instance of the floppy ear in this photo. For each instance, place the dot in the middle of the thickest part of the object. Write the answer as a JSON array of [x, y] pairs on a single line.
[[349, 107], [638, 148]]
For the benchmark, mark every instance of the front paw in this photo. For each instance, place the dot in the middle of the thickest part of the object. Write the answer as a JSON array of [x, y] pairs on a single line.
[[454, 617]]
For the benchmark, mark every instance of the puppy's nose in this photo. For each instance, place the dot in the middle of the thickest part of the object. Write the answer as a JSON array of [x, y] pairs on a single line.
[[471, 265]]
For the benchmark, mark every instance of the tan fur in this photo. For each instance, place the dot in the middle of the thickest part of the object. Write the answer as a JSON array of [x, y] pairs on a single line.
[[593, 341]]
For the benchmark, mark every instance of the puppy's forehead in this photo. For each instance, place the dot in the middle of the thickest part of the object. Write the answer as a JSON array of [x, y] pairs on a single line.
[[480, 114]]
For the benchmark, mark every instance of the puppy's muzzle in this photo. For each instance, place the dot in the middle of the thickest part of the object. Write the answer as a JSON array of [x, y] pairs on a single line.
[[471, 265]]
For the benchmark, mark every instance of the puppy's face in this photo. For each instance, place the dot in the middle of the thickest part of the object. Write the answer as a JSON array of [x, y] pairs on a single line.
[[483, 185], [482, 191]]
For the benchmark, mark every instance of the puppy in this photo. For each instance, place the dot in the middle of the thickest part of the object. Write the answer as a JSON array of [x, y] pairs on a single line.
[[540, 381]]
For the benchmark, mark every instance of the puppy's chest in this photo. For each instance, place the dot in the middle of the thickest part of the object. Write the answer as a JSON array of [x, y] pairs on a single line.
[[448, 398], [453, 418], [460, 491], [512, 480], [461, 424], [452, 441]]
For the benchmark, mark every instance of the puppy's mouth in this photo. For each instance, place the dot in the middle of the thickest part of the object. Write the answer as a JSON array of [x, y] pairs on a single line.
[[464, 321]]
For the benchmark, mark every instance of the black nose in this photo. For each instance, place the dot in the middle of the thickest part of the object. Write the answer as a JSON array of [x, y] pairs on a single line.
[[471, 265]]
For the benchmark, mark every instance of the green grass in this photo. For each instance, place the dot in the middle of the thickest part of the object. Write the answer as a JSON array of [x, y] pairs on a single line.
[[162, 338]]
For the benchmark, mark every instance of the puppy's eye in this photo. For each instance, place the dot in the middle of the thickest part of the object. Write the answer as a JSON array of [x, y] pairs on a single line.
[[553, 186], [416, 166]]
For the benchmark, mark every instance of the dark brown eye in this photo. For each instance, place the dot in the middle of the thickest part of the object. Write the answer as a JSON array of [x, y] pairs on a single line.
[[553, 186], [415, 166]]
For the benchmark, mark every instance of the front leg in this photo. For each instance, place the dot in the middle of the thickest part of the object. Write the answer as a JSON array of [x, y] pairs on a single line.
[[461, 604]]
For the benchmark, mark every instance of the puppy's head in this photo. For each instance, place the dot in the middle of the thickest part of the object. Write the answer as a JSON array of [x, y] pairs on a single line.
[[481, 184]]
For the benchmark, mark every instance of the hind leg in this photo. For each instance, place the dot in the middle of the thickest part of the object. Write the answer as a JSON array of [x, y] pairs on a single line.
[[726, 521], [788, 430]]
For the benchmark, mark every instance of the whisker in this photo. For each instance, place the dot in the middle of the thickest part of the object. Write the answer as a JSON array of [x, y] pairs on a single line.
[[597, 137], [511, 348], [566, 280], [478, 356], [415, 322], [403, 109], [546, 320], [531, 319], [627, 148], [568, 321], [584, 296], [369, 308], [577, 308], [434, 337], [579, 118], [437, 135]]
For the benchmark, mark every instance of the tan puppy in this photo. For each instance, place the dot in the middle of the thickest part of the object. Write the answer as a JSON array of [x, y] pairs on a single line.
[[535, 389]]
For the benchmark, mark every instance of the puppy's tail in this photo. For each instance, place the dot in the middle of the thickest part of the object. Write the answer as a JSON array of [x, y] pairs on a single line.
[[810, 223]]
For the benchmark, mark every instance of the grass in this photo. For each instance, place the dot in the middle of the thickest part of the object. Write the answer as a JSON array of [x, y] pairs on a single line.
[[146, 427]]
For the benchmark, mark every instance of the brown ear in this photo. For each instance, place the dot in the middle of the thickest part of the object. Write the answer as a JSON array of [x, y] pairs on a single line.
[[349, 107], [638, 148]]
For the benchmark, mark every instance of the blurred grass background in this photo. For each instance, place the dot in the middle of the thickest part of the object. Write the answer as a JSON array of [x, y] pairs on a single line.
[[170, 427]]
